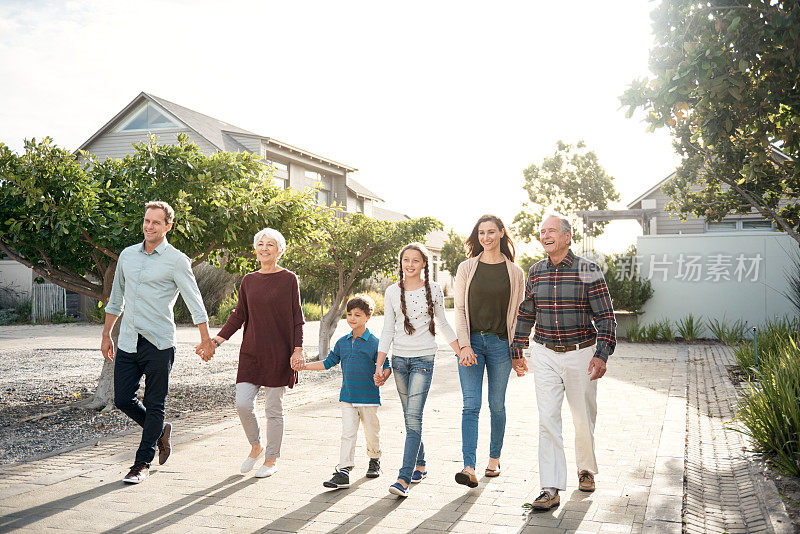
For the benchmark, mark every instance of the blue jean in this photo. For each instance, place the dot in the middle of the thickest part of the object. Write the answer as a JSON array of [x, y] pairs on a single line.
[[129, 367], [413, 378], [494, 355]]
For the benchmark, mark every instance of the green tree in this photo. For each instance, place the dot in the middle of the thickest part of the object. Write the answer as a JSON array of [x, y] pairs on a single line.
[[343, 252], [725, 82], [453, 252], [570, 180], [629, 291], [69, 216], [526, 262]]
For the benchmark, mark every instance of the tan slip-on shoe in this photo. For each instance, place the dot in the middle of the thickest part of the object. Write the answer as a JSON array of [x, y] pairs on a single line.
[[586, 481], [545, 501], [491, 473], [466, 478]]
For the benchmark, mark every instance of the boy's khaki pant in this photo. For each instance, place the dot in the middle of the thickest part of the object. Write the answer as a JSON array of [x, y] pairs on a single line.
[[351, 415]]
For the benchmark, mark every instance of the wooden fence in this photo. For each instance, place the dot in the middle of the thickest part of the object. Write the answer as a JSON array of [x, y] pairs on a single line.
[[46, 300]]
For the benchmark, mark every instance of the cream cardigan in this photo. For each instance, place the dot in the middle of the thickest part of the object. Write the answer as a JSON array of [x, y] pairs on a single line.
[[466, 270]]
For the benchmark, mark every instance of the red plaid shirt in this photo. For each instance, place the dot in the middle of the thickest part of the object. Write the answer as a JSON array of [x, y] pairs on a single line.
[[569, 303]]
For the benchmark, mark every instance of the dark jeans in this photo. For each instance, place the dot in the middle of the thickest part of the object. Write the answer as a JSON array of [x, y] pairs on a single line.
[[129, 367]]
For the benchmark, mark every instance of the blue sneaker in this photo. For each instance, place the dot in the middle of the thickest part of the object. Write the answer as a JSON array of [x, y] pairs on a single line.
[[398, 489], [418, 475]]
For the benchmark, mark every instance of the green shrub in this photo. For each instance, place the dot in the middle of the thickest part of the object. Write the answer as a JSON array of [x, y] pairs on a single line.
[[312, 311], [628, 290], [729, 334], [215, 286], [97, 314], [635, 333], [652, 332], [772, 340], [62, 318], [225, 309], [665, 330], [8, 316], [770, 410], [691, 327]]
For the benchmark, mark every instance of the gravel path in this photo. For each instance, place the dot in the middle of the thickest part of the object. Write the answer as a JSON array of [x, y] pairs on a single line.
[[43, 380], [46, 371]]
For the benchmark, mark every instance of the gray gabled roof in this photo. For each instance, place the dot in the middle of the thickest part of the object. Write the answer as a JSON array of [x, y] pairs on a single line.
[[215, 131], [360, 190], [383, 214], [651, 190]]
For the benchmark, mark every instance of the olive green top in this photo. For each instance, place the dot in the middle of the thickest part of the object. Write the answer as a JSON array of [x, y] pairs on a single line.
[[488, 296]]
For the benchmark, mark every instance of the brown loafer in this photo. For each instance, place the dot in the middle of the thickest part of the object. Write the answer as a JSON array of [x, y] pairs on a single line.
[[164, 444], [493, 472], [546, 501], [585, 481], [466, 478]]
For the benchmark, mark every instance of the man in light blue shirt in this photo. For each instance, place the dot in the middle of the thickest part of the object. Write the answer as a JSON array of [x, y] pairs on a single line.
[[148, 278]]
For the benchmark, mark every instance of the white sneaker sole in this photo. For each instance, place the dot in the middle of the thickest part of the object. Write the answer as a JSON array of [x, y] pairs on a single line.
[[264, 471]]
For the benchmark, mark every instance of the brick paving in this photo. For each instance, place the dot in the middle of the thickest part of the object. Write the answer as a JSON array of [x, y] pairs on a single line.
[[723, 491], [642, 410]]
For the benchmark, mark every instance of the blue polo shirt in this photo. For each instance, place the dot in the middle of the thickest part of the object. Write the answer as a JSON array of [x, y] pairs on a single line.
[[358, 356]]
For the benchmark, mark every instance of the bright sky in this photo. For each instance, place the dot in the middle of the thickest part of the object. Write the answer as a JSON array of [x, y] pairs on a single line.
[[440, 105]]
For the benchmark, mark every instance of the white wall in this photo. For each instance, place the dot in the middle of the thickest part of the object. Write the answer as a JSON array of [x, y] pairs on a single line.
[[722, 290], [16, 276]]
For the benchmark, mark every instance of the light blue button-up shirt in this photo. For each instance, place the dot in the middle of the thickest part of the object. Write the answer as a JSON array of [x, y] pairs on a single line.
[[146, 286]]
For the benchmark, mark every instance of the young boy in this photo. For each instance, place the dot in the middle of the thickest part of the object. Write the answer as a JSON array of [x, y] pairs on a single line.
[[360, 397]]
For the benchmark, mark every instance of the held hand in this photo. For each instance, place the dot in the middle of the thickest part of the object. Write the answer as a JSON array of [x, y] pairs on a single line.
[[298, 360], [467, 357], [519, 363], [378, 376], [107, 348], [384, 376], [597, 368], [205, 349]]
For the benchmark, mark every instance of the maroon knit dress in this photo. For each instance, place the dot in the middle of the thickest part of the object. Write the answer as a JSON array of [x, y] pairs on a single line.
[[269, 307]]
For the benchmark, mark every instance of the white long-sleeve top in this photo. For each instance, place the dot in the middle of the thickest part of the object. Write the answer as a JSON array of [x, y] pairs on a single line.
[[421, 342]]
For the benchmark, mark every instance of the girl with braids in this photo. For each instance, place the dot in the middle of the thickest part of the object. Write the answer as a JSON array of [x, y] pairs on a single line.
[[488, 291], [411, 307]]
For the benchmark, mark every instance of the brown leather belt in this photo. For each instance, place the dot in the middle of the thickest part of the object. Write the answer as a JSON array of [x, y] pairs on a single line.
[[567, 348]]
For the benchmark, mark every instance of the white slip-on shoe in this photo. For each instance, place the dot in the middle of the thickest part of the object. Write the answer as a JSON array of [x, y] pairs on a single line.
[[250, 462], [266, 471]]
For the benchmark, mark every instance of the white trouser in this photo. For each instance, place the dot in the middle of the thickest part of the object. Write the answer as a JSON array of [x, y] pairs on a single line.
[[273, 409], [351, 415], [554, 374]]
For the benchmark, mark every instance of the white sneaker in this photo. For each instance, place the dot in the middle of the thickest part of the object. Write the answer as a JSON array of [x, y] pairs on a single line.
[[266, 471], [250, 462]]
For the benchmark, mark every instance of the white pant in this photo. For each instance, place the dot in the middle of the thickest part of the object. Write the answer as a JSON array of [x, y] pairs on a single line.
[[554, 374], [351, 415]]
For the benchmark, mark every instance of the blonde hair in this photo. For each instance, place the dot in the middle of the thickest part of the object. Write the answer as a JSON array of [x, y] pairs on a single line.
[[169, 213]]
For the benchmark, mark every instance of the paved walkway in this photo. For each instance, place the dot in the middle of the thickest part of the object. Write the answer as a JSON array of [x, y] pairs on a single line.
[[648, 399]]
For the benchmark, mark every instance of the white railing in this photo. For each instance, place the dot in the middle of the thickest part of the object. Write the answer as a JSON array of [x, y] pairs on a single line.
[[46, 300]]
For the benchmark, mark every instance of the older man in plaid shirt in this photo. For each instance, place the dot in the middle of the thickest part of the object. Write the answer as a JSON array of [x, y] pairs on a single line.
[[566, 297]]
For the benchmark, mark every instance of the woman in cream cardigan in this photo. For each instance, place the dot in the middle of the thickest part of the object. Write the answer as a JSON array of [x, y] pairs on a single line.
[[488, 290]]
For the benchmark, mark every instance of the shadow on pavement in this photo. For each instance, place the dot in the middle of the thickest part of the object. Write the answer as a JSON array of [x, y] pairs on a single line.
[[22, 518], [295, 520], [174, 512]]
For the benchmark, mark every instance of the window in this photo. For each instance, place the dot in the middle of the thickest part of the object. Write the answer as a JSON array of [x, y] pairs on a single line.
[[739, 225], [280, 173], [147, 117], [360, 204], [323, 197], [756, 224], [721, 226]]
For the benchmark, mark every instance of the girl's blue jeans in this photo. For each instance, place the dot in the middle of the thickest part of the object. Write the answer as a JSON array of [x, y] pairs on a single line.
[[413, 378], [494, 355]]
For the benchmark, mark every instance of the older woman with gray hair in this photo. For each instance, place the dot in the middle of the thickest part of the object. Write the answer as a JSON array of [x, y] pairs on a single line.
[[269, 308]]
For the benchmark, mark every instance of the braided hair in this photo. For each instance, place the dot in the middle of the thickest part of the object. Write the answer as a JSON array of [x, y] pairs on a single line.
[[409, 328]]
